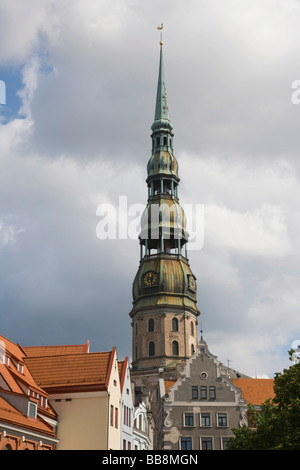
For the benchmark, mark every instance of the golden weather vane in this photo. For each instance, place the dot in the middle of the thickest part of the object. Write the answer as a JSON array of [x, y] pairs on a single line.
[[160, 28]]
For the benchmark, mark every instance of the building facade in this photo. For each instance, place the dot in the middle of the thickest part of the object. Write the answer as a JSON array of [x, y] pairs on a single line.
[[199, 410], [127, 406], [84, 390], [27, 419]]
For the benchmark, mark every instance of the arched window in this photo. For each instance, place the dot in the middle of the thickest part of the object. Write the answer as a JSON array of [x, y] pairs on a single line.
[[151, 324], [192, 328], [8, 447], [174, 324], [175, 348], [151, 348]]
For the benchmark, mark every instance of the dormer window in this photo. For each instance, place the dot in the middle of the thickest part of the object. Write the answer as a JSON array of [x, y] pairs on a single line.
[[6, 360], [32, 409], [20, 368]]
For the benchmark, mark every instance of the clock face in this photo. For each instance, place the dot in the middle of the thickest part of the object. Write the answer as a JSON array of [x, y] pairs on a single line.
[[150, 278], [192, 283]]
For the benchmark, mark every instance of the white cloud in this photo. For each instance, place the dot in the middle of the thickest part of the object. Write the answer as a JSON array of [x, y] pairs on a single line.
[[261, 232]]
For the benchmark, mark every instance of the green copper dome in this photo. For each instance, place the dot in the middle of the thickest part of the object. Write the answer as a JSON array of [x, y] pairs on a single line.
[[165, 217], [174, 285], [162, 162]]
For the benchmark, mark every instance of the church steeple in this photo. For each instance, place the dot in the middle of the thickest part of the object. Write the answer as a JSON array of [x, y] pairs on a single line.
[[164, 313], [161, 118]]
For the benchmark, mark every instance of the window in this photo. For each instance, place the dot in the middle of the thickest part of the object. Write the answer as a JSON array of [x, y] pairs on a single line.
[[203, 392], [194, 392], [111, 415], [192, 328], [31, 410], [205, 419], [174, 324], [186, 443], [6, 360], [222, 419], [189, 419], [151, 349], [192, 349], [206, 443], [175, 348], [224, 442], [116, 418], [151, 325], [212, 392]]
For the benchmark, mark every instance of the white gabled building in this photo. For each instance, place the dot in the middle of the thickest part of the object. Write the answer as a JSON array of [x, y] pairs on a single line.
[[127, 406], [141, 429]]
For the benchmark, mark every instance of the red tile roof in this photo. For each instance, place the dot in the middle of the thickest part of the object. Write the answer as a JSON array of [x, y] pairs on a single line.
[[168, 384], [16, 385], [9, 414], [255, 391], [76, 371], [60, 350]]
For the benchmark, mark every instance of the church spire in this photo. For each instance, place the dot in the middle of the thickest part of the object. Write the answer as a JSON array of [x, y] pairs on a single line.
[[161, 118]]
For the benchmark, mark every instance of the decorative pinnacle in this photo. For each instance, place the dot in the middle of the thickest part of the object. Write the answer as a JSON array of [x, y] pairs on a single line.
[[160, 28]]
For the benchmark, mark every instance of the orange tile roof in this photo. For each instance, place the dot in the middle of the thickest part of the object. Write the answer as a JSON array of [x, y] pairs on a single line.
[[18, 384], [72, 370], [11, 415], [37, 351], [255, 391], [168, 384], [14, 350], [10, 373]]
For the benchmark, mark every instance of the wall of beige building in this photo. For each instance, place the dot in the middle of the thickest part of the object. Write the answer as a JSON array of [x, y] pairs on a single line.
[[83, 421]]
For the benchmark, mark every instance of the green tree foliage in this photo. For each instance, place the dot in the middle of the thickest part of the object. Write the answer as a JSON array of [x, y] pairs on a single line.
[[277, 425]]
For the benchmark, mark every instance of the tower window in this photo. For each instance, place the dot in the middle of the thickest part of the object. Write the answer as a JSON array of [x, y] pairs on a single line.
[[174, 324], [192, 349], [151, 324], [175, 348], [165, 140], [192, 328], [151, 348]]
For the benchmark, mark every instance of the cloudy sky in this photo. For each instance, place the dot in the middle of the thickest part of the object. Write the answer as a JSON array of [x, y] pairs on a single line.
[[75, 131]]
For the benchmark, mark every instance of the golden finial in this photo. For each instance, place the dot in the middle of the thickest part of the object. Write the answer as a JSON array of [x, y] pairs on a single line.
[[160, 28]]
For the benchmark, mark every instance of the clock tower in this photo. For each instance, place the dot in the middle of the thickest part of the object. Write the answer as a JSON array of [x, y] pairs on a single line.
[[164, 313]]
